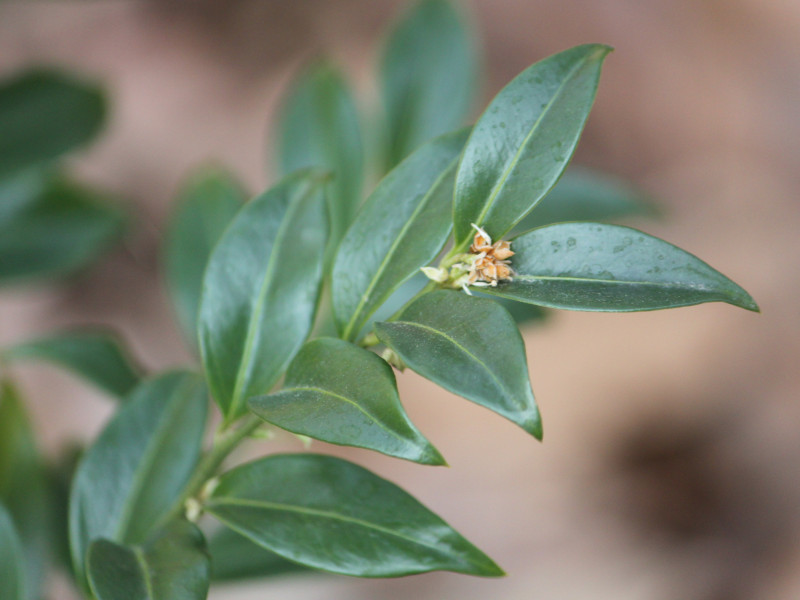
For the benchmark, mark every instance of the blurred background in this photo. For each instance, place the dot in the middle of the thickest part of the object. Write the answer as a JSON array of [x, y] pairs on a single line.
[[670, 466]]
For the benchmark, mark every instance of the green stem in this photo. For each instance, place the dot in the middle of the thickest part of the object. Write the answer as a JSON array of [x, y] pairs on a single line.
[[207, 468]]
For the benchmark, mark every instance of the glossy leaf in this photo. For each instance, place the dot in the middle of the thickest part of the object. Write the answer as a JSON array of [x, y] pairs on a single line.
[[401, 227], [261, 288], [60, 231], [207, 204], [339, 393], [129, 479], [234, 557], [12, 570], [21, 190], [589, 266], [471, 347], [587, 195], [319, 127], [97, 357], [330, 514], [523, 141], [43, 114], [174, 565], [23, 488], [428, 76]]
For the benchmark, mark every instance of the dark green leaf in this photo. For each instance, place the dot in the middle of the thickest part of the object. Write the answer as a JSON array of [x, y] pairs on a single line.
[[401, 227], [330, 514], [319, 128], [20, 191], [23, 488], [428, 77], [523, 314], [64, 228], [129, 479], [587, 195], [589, 266], [208, 202], [174, 565], [470, 346], [97, 357], [234, 557], [339, 393], [523, 141], [261, 288], [12, 559], [44, 114]]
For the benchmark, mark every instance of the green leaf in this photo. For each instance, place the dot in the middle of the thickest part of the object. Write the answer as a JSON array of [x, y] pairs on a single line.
[[330, 514], [589, 266], [23, 487], [339, 393], [428, 76], [401, 227], [261, 288], [234, 557], [61, 230], [523, 314], [319, 127], [12, 570], [208, 202], [523, 141], [128, 481], [43, 114], [174, 565], [97, 357], [21, 190], [471, 347], [587, 195]]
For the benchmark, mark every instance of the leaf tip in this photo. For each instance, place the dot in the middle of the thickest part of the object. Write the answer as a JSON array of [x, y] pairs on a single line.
[[431, 456]]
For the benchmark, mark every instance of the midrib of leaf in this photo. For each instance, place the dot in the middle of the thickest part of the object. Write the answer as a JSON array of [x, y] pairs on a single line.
[[141, 560], [666, 284], [352, 324], [469, 354], [149, 459], [319, 513], [502, 181], [255, 318], [346, 400]]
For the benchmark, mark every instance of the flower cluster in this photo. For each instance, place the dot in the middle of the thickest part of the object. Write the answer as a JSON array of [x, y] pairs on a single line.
[[485, 265]]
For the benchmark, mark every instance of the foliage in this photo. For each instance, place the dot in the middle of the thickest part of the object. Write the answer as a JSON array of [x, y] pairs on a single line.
[[299, 303]]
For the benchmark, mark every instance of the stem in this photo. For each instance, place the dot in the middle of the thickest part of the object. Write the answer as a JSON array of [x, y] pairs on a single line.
[[224, 444]]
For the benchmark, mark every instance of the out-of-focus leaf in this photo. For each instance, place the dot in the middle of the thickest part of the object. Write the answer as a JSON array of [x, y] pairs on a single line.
[[129, 479], [19, 191], [428, 77], [471, 347], [207, 204], [319, 127], [23, 489], [523, 141], [12, 559], [330, 514], [174, 565], [587, 195], [97, 357], [339, 393], [43, 114], [401, 227], [590, 266], [261, 288], [62, 230], [234, 557]]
